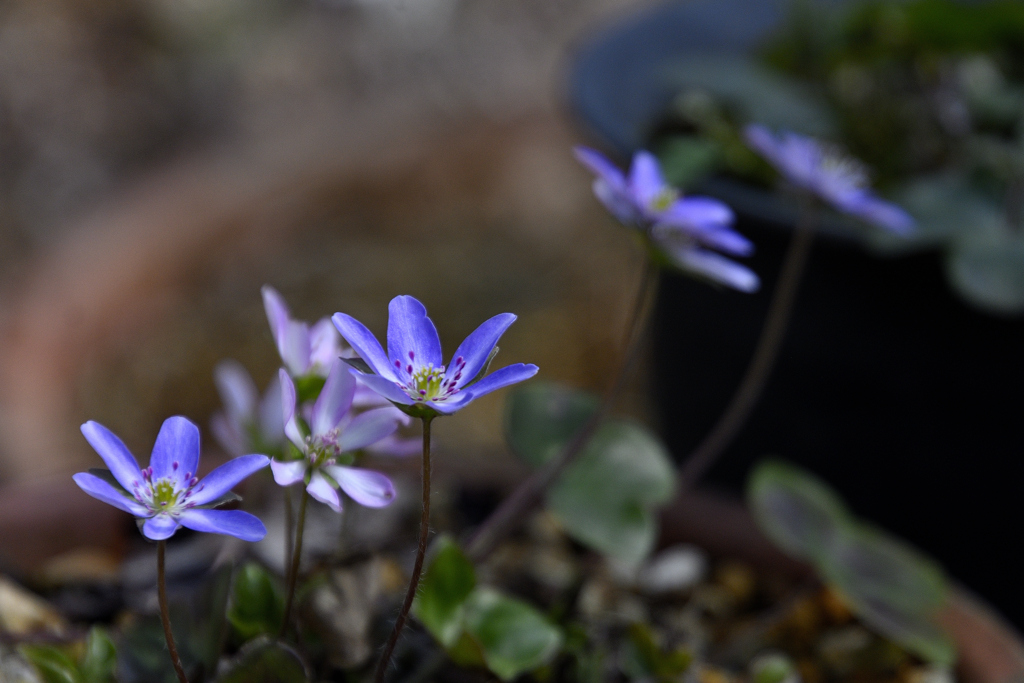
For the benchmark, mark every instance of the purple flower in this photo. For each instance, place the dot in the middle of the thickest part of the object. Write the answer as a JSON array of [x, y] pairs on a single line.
[[822, 170], [247, 424], [167, 494], [684, 229], [333, 431], [412, 373], [305, 350]]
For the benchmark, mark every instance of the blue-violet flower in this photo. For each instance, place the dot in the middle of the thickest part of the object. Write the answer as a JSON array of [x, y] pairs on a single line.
[[824, 171], [684, 229], [412, 375], [167, 494], [333, 431], [305, 350], [247, 424]]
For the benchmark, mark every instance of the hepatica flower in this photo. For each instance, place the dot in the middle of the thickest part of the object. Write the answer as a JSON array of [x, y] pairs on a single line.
[[689, 231], [168, 494], [248, 424], [412, 373], [326, 441], [305, 350], [836, 179]]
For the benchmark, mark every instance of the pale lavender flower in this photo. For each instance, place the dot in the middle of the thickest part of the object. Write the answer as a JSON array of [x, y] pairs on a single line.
[[167, 494], [305, 350], [412, 374], [248, 424], [687, 230], [837, 179], [333, 432]]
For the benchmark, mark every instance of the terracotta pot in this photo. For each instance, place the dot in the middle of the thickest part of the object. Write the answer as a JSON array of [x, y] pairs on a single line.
[[991, 651]]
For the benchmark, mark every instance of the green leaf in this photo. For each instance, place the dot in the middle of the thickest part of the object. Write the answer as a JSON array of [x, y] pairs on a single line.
[[892, 587], [515, 638], [606, 498], [307, 388], [99, 663], [53, 664], [446, 584], [796, 510], [987, 270], [257, 602], [542, 417], [266, 661], [686, 159], [643, 659]]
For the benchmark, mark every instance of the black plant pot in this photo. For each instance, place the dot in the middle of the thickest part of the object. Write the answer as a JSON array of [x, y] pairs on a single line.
[[905, 399]]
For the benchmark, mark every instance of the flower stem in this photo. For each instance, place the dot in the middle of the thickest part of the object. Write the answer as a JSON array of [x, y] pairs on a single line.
[[528, 494], [289, 524], [421, 551], [763, 360], [293, 571], [165, 618]]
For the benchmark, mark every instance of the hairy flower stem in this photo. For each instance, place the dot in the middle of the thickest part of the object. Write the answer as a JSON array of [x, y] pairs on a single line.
[[421, 551], [165, 616], [293, 571], [513, 509], [763, 360]]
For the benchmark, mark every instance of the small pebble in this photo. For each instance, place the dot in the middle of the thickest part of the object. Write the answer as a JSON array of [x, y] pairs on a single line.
[[22, 612], [673, 570]]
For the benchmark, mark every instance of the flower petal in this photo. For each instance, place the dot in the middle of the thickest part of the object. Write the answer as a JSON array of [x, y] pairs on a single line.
[[507, 375], [223, 478], [367, 428], [277, 311], [475, 349], [320, 489], [703, 211], [715, 267], [176, 451], [410, 331], [228, 434], [396, 446], [600, 166], [237, 391], [101, 490], [364, 343], [117, 457], [620, 204], [645, 179], [384, 386], [335, 398], [271, 415], [235, 523], [324, 346], [159, 527], [365, 487], [722, 239], [881, 213], [288, 399], [290, 472]]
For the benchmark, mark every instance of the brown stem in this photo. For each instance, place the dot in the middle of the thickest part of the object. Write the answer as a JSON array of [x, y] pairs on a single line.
[[528, 494], [763, 360], [293, 572], [165, 618], [421, 551], [289, 524]]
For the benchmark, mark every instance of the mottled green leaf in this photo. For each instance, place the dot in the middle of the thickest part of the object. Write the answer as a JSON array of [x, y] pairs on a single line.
[[987, 270], [797, 511], [266, 661], [606, 498], [514, 637], [444, 588], [257, 602], [308, 388], [541, 418]]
